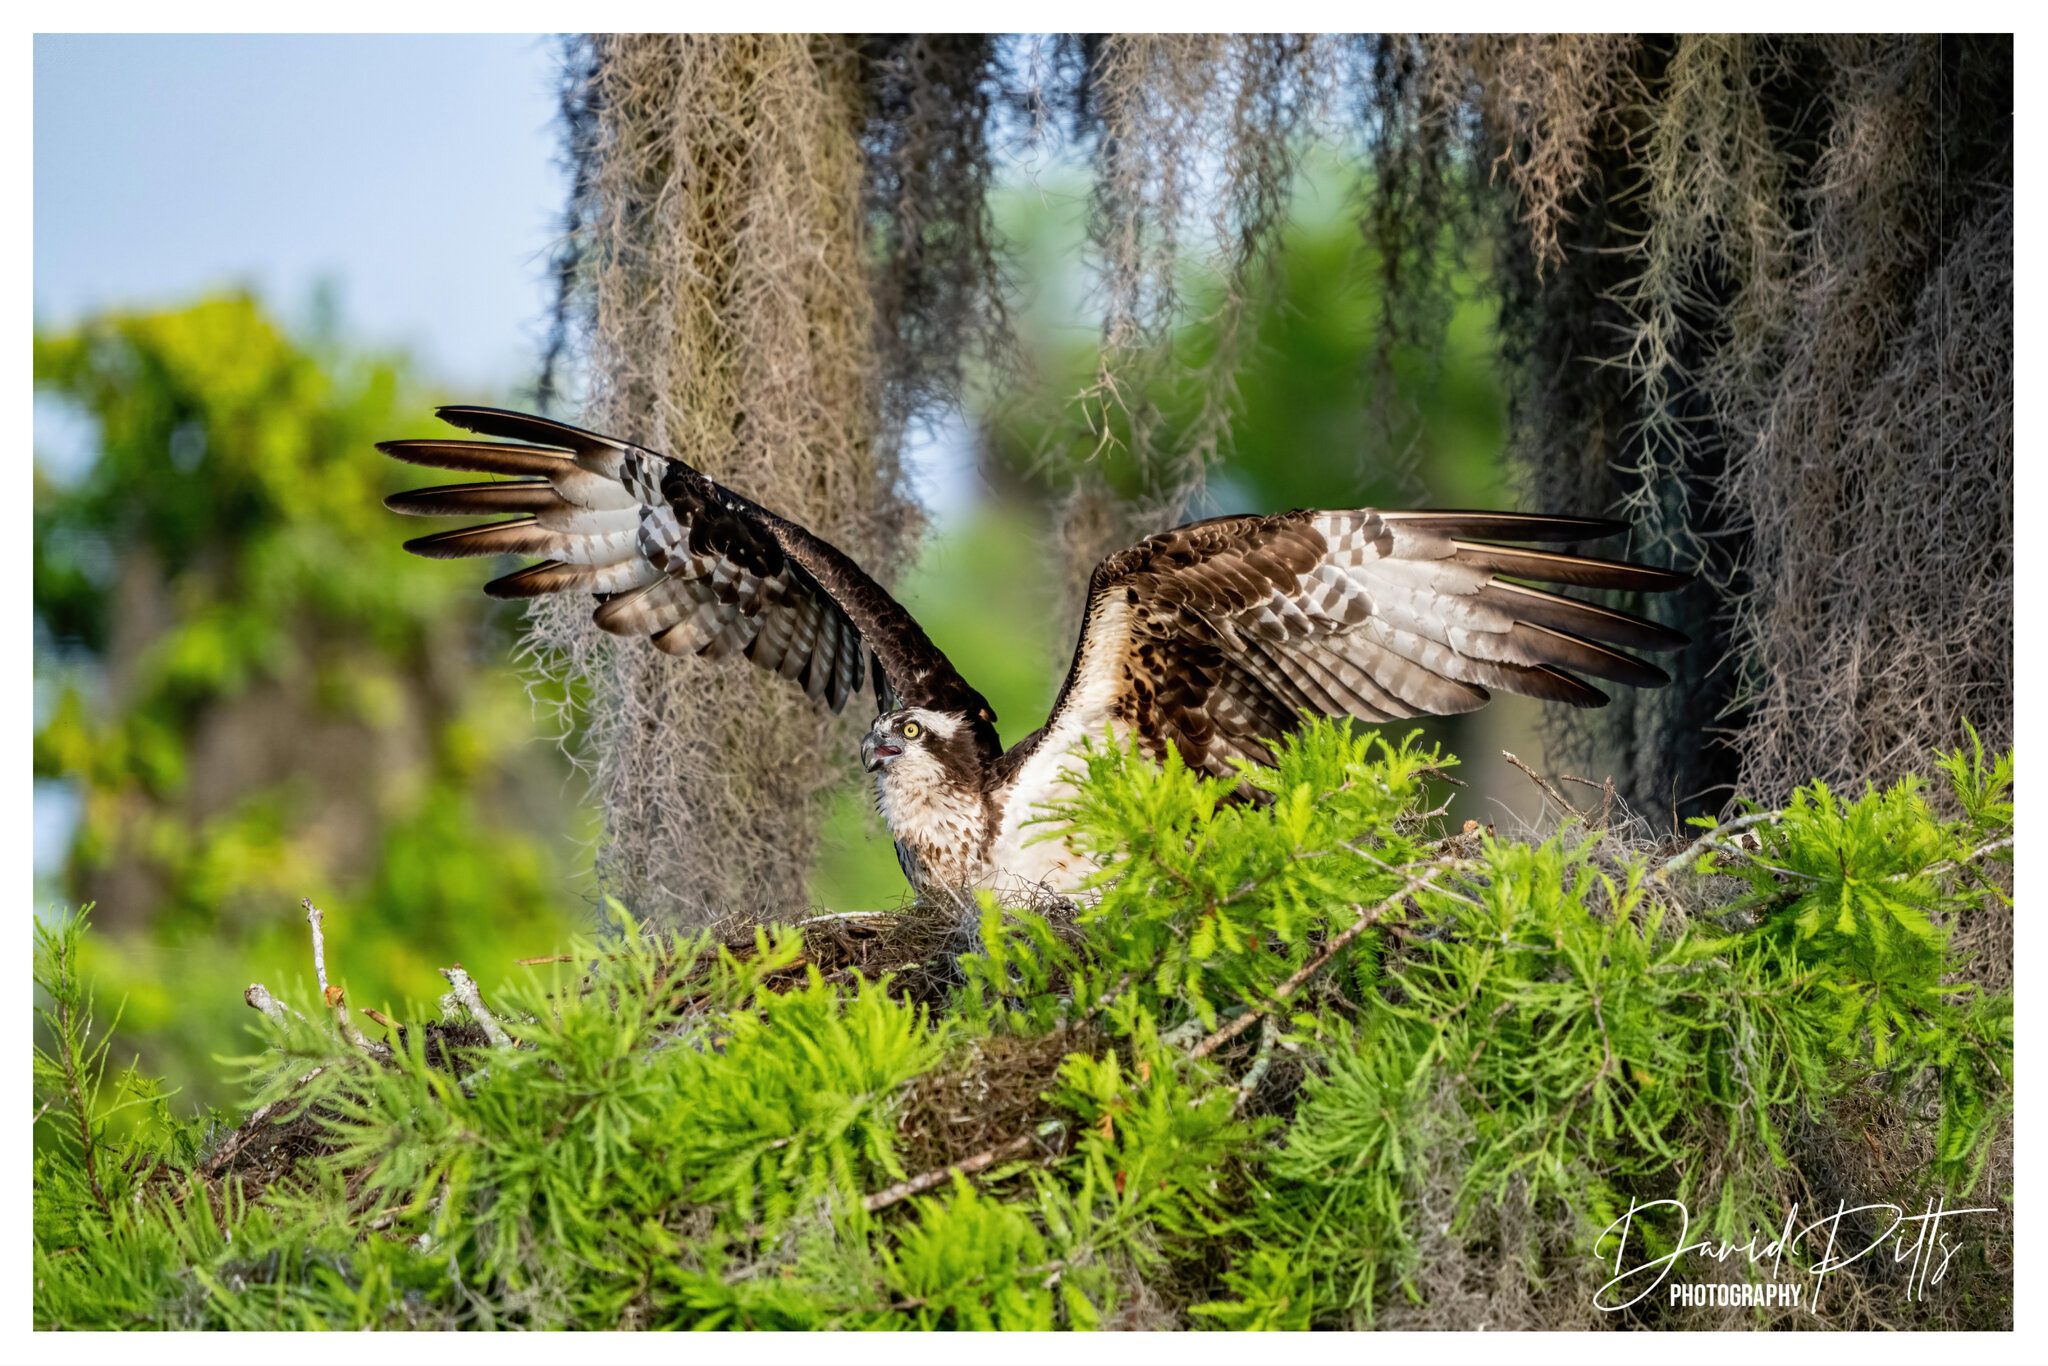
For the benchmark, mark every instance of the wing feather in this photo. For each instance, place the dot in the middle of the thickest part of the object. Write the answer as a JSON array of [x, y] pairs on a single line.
[[692, 566], [1217, 637]]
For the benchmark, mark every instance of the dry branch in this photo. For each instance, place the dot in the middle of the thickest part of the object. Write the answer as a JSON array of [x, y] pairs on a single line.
[[939, 1176], [1545, 785], [1714, 839], [1335, 946], [335, 998], [464, 989], [258, 997]]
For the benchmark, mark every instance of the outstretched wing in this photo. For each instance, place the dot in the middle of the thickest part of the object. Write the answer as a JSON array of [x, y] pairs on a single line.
[[1216, 637], [672, 556]]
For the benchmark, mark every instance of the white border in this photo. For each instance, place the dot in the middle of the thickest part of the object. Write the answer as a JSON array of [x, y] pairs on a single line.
[[521, 16]]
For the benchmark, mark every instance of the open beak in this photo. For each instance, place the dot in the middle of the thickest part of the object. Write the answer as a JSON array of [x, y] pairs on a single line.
[[876, 751]]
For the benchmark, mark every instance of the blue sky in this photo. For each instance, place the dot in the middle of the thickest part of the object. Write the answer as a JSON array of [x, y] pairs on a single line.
[[415, 175]]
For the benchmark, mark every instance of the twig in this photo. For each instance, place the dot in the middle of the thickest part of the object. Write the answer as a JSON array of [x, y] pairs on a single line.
[[1951, 864], [258, 997], [938, 1176], [464, 991], [1261, 1064], [1605, 789], [258, 1118], [1315, 965], [315, 917], [1543, 783], [1711, 840], [334, 996]]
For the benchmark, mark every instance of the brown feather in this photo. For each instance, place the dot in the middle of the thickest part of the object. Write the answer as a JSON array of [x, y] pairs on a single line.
[[1547, 567], [1506, 526], [478, 457], [555, 576], [696, 567], [476, 500], [1580, 618], [1564, 650], [520, 537]]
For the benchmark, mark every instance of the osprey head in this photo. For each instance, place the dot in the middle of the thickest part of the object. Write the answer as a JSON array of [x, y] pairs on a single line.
[[929, 788], [914, 733]]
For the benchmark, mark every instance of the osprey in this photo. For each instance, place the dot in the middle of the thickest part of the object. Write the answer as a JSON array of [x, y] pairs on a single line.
[[1207, 641]]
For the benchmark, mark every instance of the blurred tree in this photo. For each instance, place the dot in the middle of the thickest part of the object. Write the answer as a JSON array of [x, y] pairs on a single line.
[[1320, 414], [252, 695]]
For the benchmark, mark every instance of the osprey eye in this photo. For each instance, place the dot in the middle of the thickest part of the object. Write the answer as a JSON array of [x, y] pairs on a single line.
[[911, 729]]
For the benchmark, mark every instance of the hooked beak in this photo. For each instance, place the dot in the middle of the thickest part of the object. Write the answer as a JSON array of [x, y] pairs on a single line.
[[875, 751]]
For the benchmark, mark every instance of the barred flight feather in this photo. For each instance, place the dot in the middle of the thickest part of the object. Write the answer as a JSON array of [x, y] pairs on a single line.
[[1210, 641]]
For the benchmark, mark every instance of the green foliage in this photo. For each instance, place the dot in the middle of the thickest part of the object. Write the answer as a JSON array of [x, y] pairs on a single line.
[[252, 694], [1861, 898], [1311, 394], [711, 1134]]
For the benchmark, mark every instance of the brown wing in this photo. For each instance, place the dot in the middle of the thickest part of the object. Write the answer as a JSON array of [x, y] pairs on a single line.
[[1216, 637], [677, 558]]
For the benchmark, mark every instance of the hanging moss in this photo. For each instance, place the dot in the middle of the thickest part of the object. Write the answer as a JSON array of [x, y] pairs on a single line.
[[722, 277], [1754, 295]]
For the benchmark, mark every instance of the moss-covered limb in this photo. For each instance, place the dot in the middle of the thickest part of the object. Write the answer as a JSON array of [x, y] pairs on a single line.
[[1473, 1054]]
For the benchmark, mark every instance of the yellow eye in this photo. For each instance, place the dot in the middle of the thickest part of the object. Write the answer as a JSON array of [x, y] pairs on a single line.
[[911, 730]]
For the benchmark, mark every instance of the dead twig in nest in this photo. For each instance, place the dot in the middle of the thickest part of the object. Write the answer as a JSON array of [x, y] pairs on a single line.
[[464, 991], [258, 997], [334, 996], [1335, 946], [1953, 864], [938, 1176], [1713, 840], [1543, 783], [1604, 788]]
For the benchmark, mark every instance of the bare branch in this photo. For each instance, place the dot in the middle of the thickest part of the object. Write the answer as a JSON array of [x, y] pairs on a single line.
[[315, 917], [466, 994], [334, 996], [938, 1176], [1335, 946], [1951, 865], [258, 997], [1544, 783], [1713, 839]]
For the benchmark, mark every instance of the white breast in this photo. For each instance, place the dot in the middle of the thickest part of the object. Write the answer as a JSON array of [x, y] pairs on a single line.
[[939, 822], [1029, 851]]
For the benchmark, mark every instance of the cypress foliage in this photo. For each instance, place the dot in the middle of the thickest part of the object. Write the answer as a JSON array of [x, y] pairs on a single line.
[[1307, 1061]]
